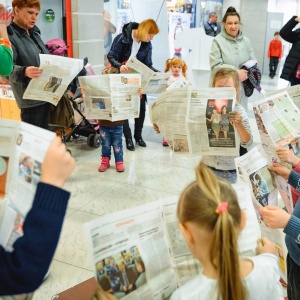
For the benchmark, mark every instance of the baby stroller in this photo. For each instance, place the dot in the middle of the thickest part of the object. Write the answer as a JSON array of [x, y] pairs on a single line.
[[82, 127]]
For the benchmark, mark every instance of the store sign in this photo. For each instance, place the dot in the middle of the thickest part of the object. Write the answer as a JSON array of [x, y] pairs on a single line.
[[50, 15]]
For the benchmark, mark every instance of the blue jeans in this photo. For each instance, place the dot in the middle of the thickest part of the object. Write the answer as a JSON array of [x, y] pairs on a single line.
[[111, 136]]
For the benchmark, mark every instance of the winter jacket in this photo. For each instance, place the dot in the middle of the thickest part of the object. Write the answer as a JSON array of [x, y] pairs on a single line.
[[26, 52], [121, 48], [210, 30], [275, 49], [293, 58], [229, 52]]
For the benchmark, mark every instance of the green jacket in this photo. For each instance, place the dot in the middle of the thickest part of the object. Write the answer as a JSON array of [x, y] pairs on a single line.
[[6, 60]]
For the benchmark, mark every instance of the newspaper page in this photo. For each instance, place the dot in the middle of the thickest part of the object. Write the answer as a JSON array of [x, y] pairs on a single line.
[[129, 253], [58, 72], [8, 138], [209, 129], [112, 97], [252, 169], [152, 82], [168, 112], [183, 263], [280, 117], [30, 144], [293, 92]]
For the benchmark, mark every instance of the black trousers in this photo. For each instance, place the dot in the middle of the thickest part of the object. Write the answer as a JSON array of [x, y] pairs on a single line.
[[138, 122], [273, 65], [37, 115], [293, 271]]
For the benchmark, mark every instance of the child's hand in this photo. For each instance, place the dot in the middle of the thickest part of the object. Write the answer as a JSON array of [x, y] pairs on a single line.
[[235, 118], [265, 246], [155, 127], [141, 90], [288, 156], [5, 17], [280, 170]]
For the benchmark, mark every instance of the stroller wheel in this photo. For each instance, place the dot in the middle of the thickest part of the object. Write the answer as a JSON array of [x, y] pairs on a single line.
[[96, 141], [90, 140]]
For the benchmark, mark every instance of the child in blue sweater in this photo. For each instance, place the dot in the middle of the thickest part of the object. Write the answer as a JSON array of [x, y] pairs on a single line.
[[276, 217]]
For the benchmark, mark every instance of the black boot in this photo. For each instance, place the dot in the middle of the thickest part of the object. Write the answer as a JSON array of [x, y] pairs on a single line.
[[129, 144], [139, 140]]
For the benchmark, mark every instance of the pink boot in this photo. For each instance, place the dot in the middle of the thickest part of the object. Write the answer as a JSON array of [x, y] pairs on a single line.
[[104, 164], [119, 166]]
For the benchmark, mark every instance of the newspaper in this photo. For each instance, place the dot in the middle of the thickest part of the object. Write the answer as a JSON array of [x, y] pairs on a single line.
[[280, 117], [293, 91], [22, 150], [151, 233], [152, 82], [264, 185], [58, 72], [112, 97], [192, 122]]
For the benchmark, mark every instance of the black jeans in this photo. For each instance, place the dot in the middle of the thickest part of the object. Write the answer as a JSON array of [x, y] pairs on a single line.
[[37, 115], [138, 122], [293, 271], [273, 65]]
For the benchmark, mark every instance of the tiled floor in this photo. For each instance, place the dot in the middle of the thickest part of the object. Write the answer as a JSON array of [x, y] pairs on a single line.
[[151, 173]]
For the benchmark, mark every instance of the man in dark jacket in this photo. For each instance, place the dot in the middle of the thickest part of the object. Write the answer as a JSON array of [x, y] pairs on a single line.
[[134, 41], [291, 68]]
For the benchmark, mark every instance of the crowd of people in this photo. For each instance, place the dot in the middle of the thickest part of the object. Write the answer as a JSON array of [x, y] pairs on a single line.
[[208, 212]]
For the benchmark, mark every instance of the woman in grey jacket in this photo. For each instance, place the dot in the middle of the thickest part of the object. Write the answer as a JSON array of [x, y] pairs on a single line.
[[230, 49], [27, 45]]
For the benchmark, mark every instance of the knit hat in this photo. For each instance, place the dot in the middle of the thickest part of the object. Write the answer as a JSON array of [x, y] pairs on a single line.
[[254, 77]]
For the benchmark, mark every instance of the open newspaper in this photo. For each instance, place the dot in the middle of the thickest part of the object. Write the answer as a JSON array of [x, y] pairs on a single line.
[[58, 72], [196, 121], [150, 233], [111, 97], [22, 150], [264, 186], [280, 117], [152, 82]]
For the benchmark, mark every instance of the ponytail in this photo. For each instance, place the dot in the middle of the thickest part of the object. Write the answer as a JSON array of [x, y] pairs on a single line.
[[176, 61], [201, 203]]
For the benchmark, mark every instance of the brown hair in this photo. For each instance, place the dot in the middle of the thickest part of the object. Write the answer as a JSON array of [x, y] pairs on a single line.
[[276, 33], [176, 61], [197, 204], [148, 26], [26, 3], [224, 73], [230, 12]]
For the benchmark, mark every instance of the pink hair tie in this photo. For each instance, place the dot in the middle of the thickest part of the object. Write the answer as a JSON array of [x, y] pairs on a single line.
[[222, 207]]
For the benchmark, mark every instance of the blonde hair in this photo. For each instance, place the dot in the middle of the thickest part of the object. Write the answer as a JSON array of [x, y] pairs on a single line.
[[148, 26], [197, 204], [225, 73], [176, 61], [27, 3]]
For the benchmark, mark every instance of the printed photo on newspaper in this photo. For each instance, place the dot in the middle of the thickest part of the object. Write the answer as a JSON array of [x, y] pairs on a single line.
[[152, 82], [23, 147], [197, 121], [112, 97], [141, 253], [58, 72]]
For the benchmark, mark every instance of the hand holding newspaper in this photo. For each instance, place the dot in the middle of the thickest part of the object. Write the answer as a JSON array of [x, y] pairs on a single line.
[[58, 72], [22, 150]]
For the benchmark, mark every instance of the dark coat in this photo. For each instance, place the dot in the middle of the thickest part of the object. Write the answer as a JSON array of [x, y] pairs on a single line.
[[26, 54], [293, 58], [121, 48]]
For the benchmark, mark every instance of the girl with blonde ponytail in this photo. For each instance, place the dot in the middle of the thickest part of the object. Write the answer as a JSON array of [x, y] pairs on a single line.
[[210, 219]]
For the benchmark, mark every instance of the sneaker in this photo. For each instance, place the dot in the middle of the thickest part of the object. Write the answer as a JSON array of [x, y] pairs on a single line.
[[104, 164], [120, 166], [165, 143]]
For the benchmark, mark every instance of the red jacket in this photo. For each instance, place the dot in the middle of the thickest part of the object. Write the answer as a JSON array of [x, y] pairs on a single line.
[[275, 49]]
